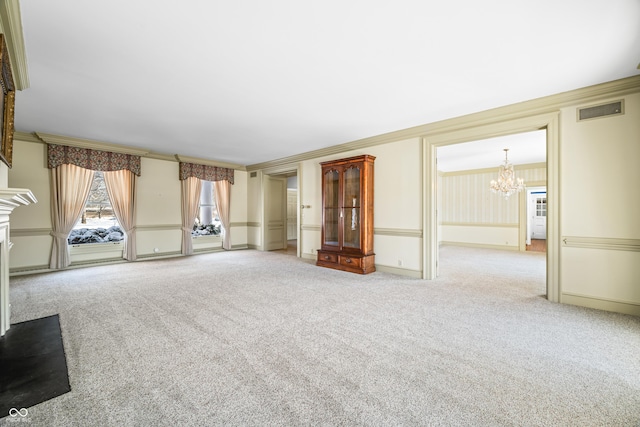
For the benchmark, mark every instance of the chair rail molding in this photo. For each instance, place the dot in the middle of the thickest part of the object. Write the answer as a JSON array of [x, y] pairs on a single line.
[[601, 243]]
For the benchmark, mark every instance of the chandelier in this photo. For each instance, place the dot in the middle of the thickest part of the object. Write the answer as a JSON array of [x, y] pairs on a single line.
[[507, 183]]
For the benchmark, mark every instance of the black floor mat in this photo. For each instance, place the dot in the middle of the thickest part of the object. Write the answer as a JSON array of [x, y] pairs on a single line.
[[33, 367]]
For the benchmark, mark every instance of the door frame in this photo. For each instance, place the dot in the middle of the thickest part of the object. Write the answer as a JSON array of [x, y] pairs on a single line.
[[282, 223], [280, 171], [465, 132], [524, 210]]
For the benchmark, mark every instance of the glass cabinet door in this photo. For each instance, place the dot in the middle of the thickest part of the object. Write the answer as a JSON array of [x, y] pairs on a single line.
[[331, 208], [351, 203]]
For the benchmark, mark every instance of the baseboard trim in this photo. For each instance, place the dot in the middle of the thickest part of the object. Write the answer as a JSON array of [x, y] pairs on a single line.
[[159, 255], [617, 306], [208, 250], [416, 274], [23, 271], [480, 246]]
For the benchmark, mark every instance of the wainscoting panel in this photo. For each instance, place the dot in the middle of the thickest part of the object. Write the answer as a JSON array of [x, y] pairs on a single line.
[[502, 236], [601, 276]]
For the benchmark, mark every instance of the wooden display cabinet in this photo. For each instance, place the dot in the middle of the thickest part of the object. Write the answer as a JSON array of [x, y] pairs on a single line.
[[347, 215]]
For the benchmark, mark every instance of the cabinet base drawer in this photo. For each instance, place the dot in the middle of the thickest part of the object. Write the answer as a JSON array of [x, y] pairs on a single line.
[[349, 261], [361, 264], [327, 257]]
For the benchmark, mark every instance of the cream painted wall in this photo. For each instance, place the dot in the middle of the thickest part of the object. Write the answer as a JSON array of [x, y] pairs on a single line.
[[309, 186], [497, 237], [158, 190], [598, 259], [397, 204], [158, 212], [31, 225], [254, 210], [29, 171], [159, 217], [239, 210], [4, 175], [600, 203]]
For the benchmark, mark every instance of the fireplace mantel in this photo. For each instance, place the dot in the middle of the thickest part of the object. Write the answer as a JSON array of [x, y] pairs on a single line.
[[10, 198]]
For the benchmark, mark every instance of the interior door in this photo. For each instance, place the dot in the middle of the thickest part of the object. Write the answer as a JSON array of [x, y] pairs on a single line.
[[276, 212], [292, 214], [539, 219]]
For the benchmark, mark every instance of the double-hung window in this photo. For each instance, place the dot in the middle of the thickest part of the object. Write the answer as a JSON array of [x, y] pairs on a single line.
[[98, 223], [207, 221]]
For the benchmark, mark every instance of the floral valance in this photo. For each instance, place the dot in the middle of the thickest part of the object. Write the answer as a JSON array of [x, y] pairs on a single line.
[[92, 159], [205, 172]]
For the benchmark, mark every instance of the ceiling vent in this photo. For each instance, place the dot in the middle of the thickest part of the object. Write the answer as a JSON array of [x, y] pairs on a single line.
[[602, 110]]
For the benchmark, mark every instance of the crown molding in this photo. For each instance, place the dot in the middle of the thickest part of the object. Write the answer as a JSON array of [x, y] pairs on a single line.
[[161, 156], [26, 137], [90, 144], [11, 26], [337, 149], [47, 138], [199, 161], [538, 106]]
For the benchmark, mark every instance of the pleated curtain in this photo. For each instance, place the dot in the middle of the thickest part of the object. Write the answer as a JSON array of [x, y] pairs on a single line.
[[121, 188], [190, 203], [70, 189], [222, 190]]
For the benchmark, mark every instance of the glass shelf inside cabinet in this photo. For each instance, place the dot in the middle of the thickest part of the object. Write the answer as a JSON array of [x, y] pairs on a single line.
[[351, 203], [331, 207]]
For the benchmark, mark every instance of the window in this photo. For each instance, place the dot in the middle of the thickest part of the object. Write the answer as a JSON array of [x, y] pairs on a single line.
[[207, 221], [98, 223], [541, 206]]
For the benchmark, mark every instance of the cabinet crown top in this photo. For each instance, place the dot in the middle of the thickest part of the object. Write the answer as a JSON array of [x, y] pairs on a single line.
[[364, 157]]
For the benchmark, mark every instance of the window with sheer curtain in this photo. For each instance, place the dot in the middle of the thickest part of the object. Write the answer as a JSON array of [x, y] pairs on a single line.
[[192, 177], [73, 170], [98, 222], [207, 221]]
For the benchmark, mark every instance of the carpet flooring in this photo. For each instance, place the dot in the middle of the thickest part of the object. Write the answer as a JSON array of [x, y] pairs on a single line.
[[254, 338]]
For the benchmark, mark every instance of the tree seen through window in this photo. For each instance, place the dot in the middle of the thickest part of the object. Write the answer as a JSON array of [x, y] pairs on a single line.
[[98, 223], [207, 221]]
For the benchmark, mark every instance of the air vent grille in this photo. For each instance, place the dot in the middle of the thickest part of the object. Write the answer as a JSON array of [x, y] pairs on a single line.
[[253, 174], [602, 110]]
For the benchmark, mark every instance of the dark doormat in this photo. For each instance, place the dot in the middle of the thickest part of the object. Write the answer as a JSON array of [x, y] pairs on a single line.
[[33, 367]]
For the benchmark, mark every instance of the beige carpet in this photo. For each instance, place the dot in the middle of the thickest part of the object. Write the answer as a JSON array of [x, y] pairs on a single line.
[[252, 338]]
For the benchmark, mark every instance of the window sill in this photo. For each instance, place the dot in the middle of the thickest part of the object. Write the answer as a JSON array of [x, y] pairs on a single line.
[[92, 248], [207, 238]]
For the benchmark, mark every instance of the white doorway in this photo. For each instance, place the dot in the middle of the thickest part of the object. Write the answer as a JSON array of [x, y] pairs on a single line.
[[546, 122], [275, 213], [281, 211], [536, 213]]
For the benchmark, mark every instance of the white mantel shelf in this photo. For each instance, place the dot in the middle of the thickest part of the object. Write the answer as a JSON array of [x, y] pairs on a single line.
[[10, 198]]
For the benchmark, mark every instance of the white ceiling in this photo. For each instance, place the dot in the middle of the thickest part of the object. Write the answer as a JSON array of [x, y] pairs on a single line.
[[248, 81], [524, 148]]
